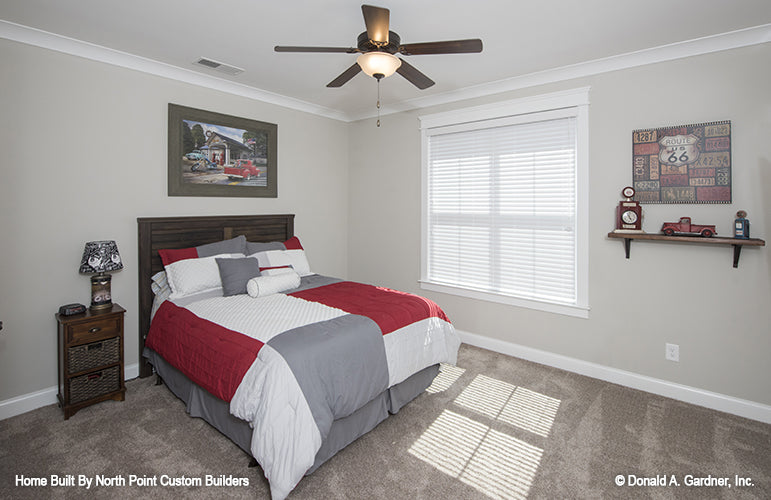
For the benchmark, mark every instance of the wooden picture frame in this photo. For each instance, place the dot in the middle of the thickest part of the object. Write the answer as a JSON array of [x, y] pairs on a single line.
[[213, 154]]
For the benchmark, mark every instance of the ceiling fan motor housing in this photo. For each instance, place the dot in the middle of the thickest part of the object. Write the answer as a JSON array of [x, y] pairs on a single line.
[[364, 44]]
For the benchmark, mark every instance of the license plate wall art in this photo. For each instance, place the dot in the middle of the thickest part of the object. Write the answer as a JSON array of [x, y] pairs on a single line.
[[683, 164]]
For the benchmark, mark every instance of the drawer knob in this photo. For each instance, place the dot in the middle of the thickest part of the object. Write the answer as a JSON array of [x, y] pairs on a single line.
[[95, 329]]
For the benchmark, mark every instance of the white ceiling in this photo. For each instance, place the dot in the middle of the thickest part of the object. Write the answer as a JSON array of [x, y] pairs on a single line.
[[521, 39]]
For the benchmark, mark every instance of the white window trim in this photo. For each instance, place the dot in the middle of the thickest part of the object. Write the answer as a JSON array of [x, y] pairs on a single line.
[[578, 100]]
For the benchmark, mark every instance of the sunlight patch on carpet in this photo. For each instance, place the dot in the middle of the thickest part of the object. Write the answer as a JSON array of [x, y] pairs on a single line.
[[448, 374], [449, 442], [498, 400], [531, 411], [494, 463]]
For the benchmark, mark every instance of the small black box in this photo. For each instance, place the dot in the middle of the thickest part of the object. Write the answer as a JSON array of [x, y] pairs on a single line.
[[70, 309]]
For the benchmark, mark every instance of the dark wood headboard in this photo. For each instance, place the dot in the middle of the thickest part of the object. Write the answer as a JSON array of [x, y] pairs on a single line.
[[181, 232]]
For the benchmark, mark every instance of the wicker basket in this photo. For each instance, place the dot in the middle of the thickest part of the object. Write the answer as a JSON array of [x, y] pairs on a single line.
[[94, 384], [87, 356]]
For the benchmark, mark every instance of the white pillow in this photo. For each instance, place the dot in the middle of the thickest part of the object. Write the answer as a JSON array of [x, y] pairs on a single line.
[[282, 258], [268, 285], [189, 276]]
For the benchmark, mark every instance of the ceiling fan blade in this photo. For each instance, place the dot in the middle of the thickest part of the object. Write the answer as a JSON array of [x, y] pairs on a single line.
[[346, 50], [345, 76], [414, 76], [376, 19], [449, 47]]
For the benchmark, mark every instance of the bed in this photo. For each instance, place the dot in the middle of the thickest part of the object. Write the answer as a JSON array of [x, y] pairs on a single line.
[[290, 375]]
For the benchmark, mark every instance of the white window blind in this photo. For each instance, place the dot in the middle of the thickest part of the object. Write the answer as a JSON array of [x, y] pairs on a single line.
[[500, 208]]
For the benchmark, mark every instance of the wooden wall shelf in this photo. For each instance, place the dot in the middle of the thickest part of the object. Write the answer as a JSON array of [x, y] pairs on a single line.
[[737, 243]]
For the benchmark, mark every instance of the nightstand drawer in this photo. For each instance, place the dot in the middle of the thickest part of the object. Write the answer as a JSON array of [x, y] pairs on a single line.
[[86, 356], [95, 329], [92, 385]]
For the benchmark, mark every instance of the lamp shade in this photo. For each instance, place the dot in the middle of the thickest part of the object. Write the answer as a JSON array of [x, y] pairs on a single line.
[[100, 257], [378, 63]]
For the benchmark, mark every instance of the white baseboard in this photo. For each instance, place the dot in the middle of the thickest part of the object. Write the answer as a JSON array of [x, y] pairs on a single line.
[[720, 402], [34, 400], [692, 395]]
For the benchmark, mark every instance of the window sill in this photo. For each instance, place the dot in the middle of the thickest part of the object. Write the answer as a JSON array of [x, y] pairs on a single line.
[[564, 309]]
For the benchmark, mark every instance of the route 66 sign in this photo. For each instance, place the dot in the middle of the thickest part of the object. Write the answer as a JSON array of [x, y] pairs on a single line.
[[682, 163], [679, 150]]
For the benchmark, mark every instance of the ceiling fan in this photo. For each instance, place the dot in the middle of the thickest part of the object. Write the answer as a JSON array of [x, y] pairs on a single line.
[[378, 45]]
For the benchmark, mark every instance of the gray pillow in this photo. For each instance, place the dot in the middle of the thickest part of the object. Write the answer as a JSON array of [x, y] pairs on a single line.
[[236, 273], [252, 248], [236, 245]]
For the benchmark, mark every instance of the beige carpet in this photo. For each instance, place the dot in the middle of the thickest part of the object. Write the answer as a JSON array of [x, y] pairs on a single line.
[[494, 427]]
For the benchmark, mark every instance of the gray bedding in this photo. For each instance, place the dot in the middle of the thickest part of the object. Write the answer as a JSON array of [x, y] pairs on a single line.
[[339, 364]]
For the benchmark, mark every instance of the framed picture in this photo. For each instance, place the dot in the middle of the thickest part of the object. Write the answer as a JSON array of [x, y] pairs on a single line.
[[683, 163], [211, 154]]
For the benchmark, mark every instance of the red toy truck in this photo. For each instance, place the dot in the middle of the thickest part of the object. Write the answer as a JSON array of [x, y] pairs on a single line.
[[684, 227], [243, 169]]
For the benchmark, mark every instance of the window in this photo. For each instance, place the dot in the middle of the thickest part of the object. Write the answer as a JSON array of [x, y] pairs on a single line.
[[505, 197]]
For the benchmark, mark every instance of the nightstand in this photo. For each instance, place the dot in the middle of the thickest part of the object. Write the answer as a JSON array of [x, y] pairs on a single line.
[[90, 348]]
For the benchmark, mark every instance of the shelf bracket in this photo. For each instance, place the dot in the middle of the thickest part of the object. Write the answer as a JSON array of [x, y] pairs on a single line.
[[627, 246], [737, 253]]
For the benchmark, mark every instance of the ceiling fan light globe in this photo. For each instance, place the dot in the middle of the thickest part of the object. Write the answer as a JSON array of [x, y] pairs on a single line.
[[381, 63]]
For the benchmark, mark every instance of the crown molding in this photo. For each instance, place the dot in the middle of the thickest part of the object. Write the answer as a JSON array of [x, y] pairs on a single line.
[[71, 46], [714, 43]]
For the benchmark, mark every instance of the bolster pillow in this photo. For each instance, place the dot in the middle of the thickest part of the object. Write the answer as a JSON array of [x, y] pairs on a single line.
[[267, 285]]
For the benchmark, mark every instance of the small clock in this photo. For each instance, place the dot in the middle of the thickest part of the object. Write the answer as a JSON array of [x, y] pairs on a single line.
[[628, 213], [629, 217]]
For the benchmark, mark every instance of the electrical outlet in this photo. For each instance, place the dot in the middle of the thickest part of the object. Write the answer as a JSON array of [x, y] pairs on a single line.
[[672, 352]]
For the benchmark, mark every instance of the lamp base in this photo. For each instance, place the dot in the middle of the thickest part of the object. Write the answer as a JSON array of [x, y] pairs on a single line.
[[101, 297]]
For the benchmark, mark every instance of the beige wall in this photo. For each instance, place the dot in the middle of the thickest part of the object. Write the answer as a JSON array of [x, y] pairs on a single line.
[[682, 294], [83, 149], [84, 154]]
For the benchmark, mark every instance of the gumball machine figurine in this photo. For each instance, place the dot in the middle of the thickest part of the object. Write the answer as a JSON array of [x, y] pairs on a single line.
[[741, 225]]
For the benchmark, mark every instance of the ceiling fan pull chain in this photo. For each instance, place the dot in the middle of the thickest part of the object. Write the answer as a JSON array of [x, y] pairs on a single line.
[[378, 102]]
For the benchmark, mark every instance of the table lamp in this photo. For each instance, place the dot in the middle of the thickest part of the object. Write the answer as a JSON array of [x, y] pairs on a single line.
[[100, 257]]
